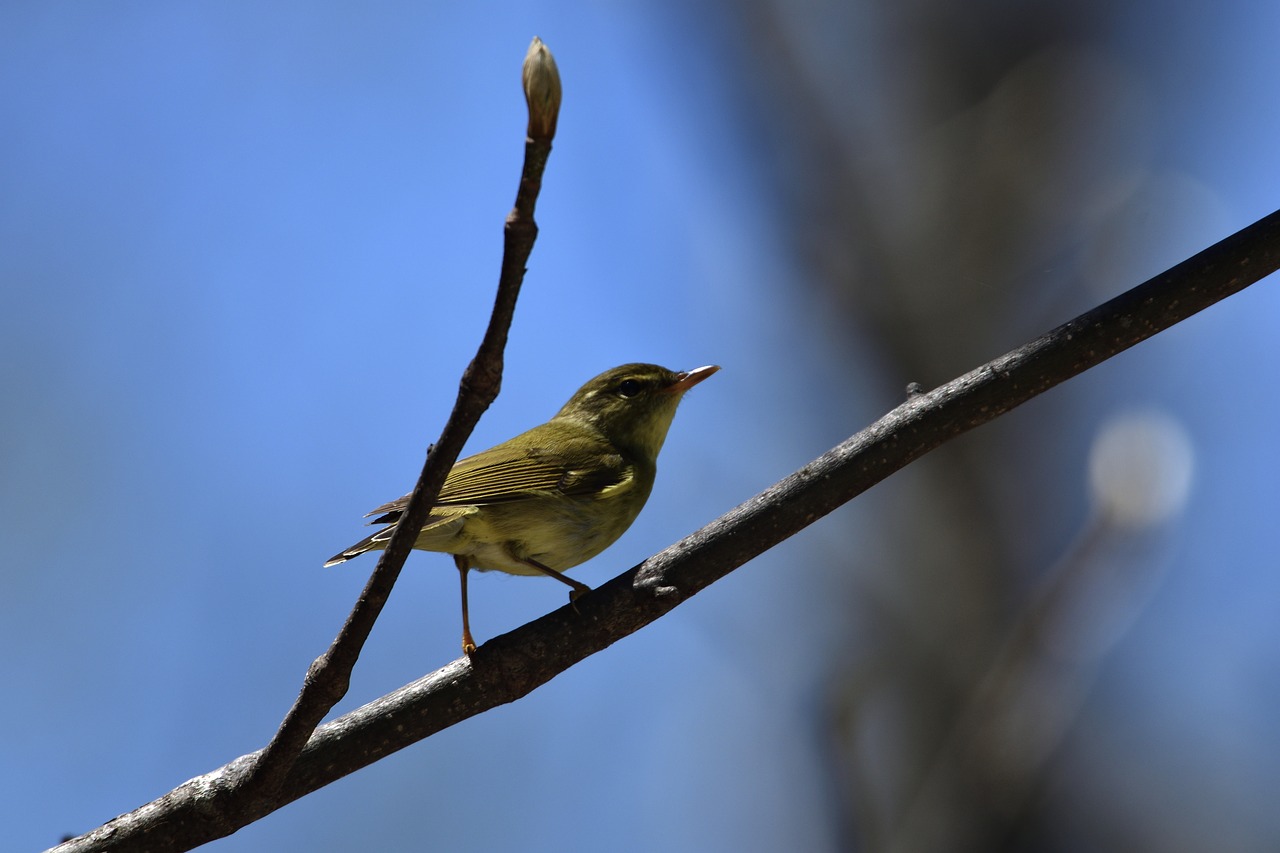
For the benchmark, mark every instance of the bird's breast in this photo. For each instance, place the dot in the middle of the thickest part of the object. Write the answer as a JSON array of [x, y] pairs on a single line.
[[559, 533]]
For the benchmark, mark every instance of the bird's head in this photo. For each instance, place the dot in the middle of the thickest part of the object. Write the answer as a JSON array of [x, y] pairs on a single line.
[[632, 405]]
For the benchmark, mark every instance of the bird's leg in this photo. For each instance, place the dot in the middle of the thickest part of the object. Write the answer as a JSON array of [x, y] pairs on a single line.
[[468, 644], [578, 587]]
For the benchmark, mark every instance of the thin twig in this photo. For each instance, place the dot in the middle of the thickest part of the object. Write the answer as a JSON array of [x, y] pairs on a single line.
[[510, 666], [329, 676]]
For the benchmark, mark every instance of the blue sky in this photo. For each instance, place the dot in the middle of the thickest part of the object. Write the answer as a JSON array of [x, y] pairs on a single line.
[[225, 231]]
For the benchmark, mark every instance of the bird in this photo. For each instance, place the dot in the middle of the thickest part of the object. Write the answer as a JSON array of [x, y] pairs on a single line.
[[556, 495]]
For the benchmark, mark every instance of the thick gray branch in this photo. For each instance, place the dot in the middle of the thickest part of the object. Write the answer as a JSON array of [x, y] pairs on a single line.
[[509, 666]]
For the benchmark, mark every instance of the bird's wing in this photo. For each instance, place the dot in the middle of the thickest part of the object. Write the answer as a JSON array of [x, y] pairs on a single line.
[[512, 473]]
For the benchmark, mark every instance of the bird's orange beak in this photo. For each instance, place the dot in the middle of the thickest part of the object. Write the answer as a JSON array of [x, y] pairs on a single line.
[[685, 381]]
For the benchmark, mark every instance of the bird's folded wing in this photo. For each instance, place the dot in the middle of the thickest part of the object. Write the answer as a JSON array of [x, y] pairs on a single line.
[[501, 475]]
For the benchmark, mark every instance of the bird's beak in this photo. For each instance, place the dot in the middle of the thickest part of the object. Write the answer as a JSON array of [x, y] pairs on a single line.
[[685, 381]]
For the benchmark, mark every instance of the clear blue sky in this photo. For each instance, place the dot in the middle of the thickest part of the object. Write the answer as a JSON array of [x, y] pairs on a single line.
[[226, 228]]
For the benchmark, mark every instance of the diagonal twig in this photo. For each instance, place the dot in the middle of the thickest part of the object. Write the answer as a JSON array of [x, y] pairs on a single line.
[[328, 677]]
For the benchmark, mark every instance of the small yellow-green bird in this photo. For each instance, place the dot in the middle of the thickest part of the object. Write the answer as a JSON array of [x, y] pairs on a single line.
[[557, 495]]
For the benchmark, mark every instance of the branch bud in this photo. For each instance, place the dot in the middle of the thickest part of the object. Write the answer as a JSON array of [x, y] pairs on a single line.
[[541, 81]]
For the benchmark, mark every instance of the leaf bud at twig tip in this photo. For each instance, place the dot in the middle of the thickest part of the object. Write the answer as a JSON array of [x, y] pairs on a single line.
[[541, 81]]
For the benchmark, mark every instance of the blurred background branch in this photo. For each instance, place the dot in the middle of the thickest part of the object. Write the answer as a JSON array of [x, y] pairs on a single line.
[[973, 167]]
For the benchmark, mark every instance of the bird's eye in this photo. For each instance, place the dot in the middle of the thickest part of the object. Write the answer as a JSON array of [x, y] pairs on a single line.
[[629, 387]]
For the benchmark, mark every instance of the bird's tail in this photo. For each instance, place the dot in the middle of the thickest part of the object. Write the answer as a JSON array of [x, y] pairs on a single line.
[[368, 543], [390, 514], [434, 536]]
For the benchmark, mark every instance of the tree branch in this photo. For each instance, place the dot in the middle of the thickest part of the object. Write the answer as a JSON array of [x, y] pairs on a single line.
[[510, 666]]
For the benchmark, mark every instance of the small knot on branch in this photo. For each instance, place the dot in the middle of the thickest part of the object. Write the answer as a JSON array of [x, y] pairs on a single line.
[[653, 583]]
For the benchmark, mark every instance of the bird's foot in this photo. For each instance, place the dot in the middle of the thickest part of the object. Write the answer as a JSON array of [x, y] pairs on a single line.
[[579, 590]]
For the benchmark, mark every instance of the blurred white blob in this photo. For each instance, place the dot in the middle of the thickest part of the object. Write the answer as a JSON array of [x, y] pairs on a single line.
[[1140, 468]]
